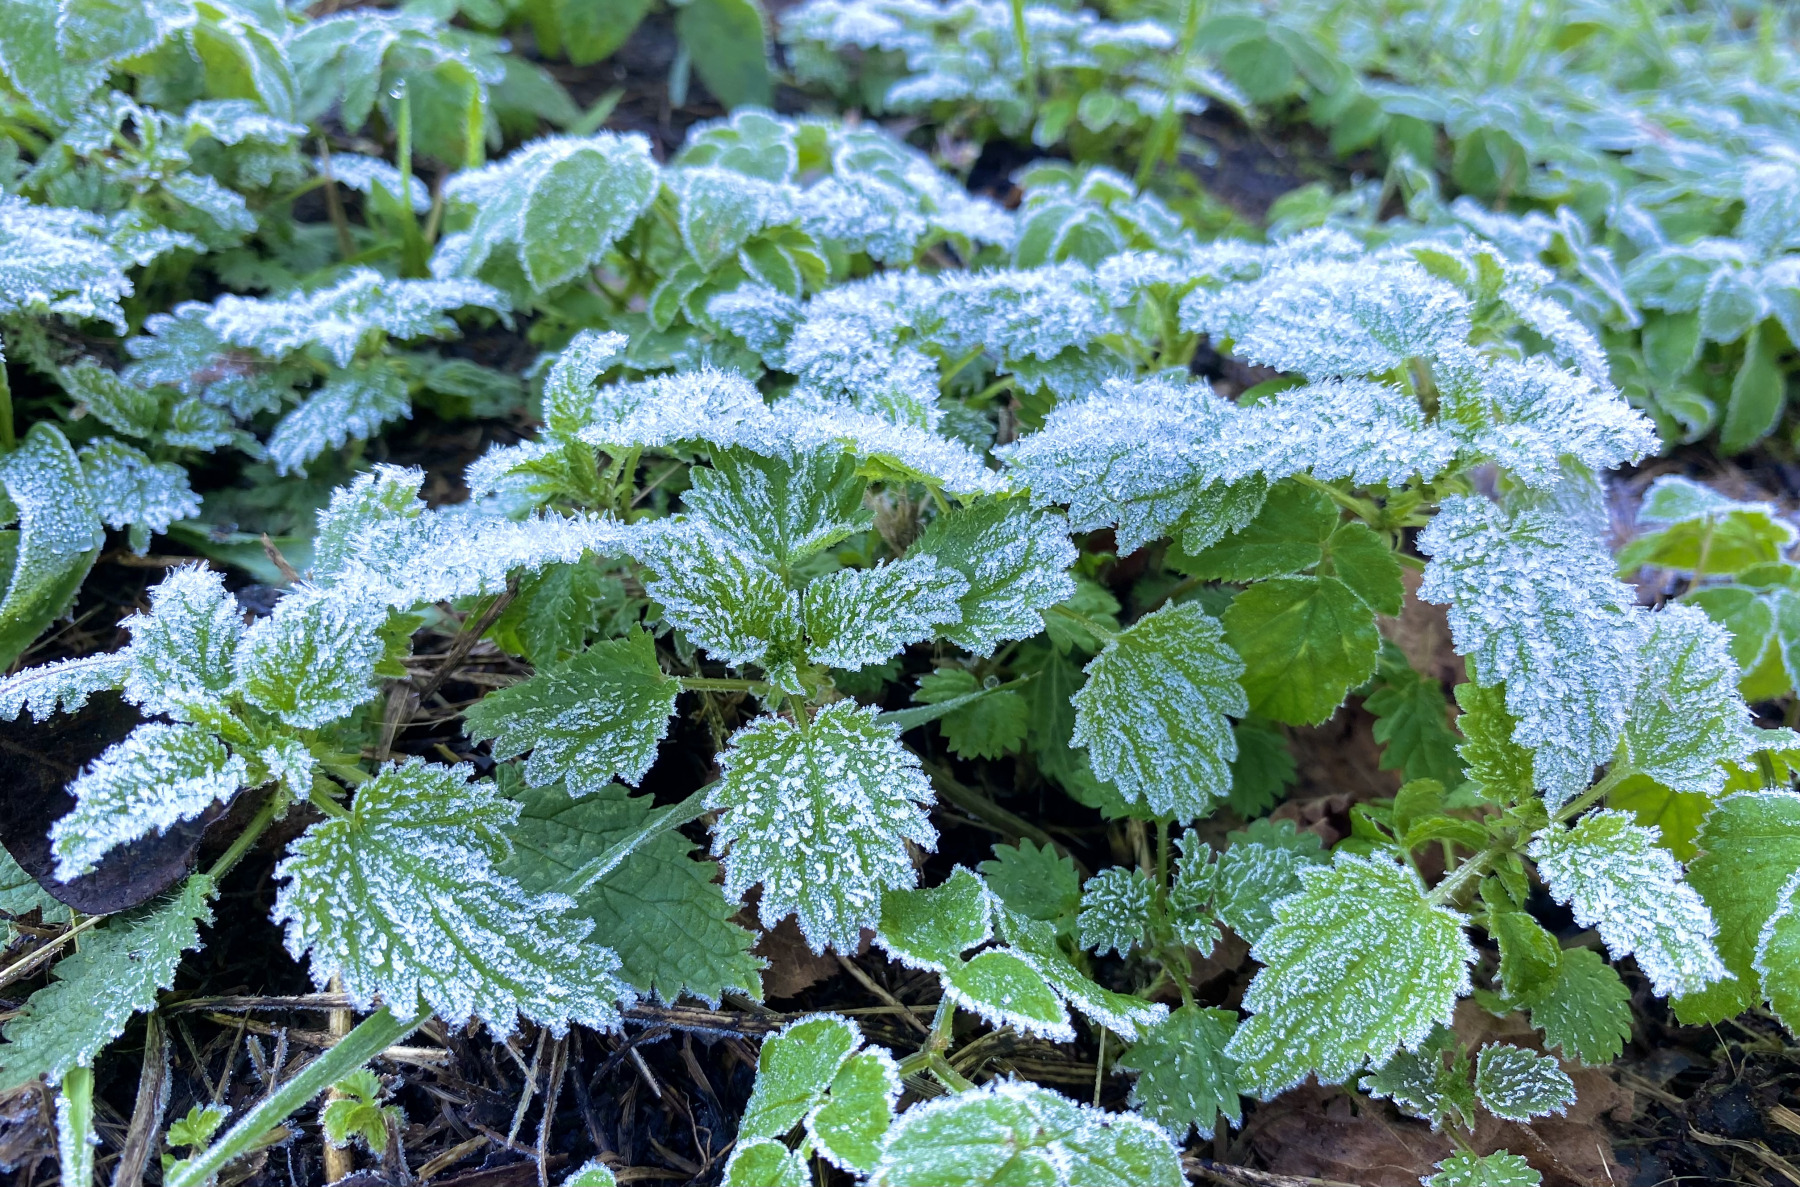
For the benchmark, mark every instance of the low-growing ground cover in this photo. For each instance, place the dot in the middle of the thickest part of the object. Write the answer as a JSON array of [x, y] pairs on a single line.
[[898, 593]]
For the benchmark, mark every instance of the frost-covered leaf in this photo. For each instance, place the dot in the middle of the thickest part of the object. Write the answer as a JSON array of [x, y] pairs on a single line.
[[1431, 1083], [369, 175], [1497, 765], [780, 509], [1749, 849], [593, 1173], [1260, 867], [794, 1070], [1184, 1078], [1371, 433], [131, 490], [1687, 718], [1532, 599], [1778, 955], [116, 972], [1305, 642], [1614, 877], [1501, 1169], [560, 203], [1035, 942], [857, 617], [159, 775], [1016, 564], [1695, 529], [1035, 881], [1412, 724], [1516, 1085], [312, 660], [341, 318], [1115, 911], [569, 387], [363, 515], [721, 596], [765, 1162], [1147, 458], [820, 817], [57, 538], [61, 687], [1014, 1132], [992, 725], [404, 899], [1004, 989], [181, 652], [659, 890], [55, 260], [593, 719], [931, 927], [1586, 1011], [850, 1126], [1357, 965], [354, 1111], [1153, 711], [351, 404]]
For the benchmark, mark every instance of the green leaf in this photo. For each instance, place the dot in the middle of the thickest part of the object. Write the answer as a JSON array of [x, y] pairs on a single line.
[[1153, 713], [989, 727], [1464, 1169], [1091, 601], [1006, 990], [1260, 867], [1529, 955], [20, 895], [597, 718], [1010, 1132], [765, 1162], [33, 62], [557, 608], [1115, 911], [1687, 718], [727, 41], [794, 1070], [1758, 393], [58, 536], [115, 973], [1586, 1012], [1497, 765], [723, 599], [1036, 881], [1263, 769], [585, 31], [404, 898], [1431, 1083], [592, 1174], [1365, 562], [1305, 642], [1614, 876], [1287, 536], [1357, 965], [781, 510], [820, 817], [1054, 680], [197, 1128], [1015, 561], [158, 776], [1778, 956], [1184, 1078], [850, 1126], [1035, 942], [181, 652], [656, 892], [930, 928], [1516, 1085], [312, 661], [857, 617], [1676, 815], [1698, 530], [1412, 724], [1749, 849], [356, 1113]]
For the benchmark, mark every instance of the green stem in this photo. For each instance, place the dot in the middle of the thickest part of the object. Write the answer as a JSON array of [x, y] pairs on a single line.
[[1363, 509], [1099, 630], [265, 815], [372, 1036], [715, 684], [1599, 791], [8, 439], [951, 1078], [1464, 874], [1023, 35], [75, 1127]]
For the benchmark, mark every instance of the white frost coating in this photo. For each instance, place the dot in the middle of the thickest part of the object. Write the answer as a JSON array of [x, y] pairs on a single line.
[[353, 403], [1687, 717], [337, 318], [1615, 877], [158, 776], [1015, 561], [1146, 456], [719, 594], [1338, 428], [780, 508], [404, 899], [1516, 1085], [128, 488], [363, 173], [569, 394], [1533, 599], [312, 661], [821, 819], [181, 653], [63, 686], [856, 617], [366, 523], [808, 420], [1036, 943], [1115, 911], [1153, 713], [721, 407], [1357, 965], [1016, 314], [1003, 989], [54, 260]]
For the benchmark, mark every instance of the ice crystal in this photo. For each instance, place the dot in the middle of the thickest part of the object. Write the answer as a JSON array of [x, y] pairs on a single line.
[[1153, 712], [1516, 1085], [181, 653], [820, 818], [158, 776], [312, 661], [366, 175], [569, 396], [1260, 867], [1369, 432], [1015, 562], [1005, 990], [1533, 600], [857, 617], [117, 971], [1687, 718], [340, 317], [1115, 911], [721, 596], [55, 260], [1357, 965], [62, 686], [780, 509], [931, 927], [368, 512], [402, 898], [1616, 878], [1465, 1169], [129, 489], [353, 403]]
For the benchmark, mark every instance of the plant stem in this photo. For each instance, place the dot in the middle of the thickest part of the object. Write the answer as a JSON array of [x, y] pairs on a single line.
[[278, 799], [1464, 874], [75, 1127], [8, 439], [370, 1038], [1575, 807], [715, 684], [1099, 630]]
